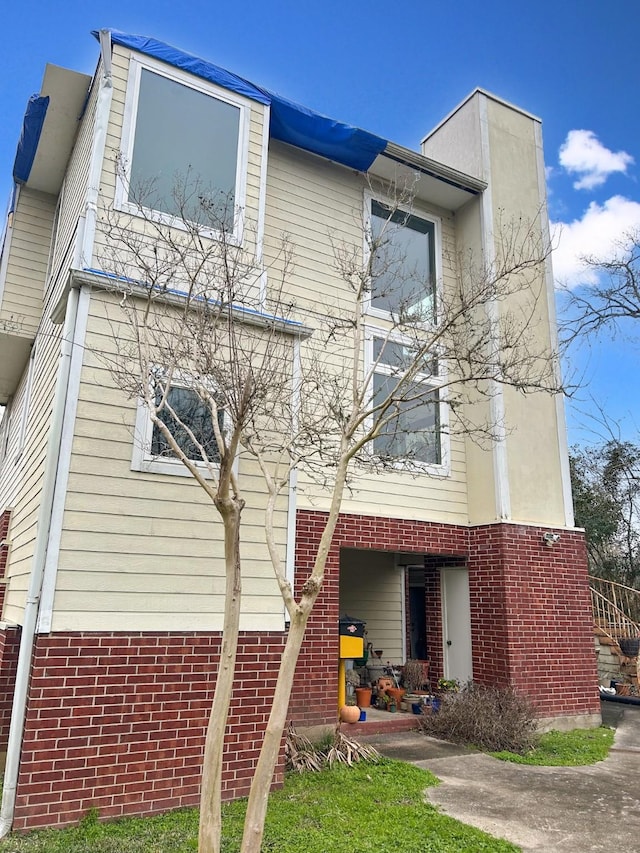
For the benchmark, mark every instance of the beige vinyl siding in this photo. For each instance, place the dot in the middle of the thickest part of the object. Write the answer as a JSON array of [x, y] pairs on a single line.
[[103, 251], [27, 262], [144, 551], [319, 205], [26, 502], [12, 462], [372, 589], [72, 198]]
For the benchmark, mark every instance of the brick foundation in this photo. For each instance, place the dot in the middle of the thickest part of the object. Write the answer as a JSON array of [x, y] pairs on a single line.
[[531, 617], [9, 648], [117, 722], [5, 521]]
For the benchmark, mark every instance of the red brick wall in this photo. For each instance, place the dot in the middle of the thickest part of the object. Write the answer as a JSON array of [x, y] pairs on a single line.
[[531, 616], [316, 686], [5, 519], [9, 648], [530, 608], [117, 722]]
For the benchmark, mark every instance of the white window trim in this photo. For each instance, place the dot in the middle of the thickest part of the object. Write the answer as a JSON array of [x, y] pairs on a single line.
[[443, 468], [142, 459], [26, 406], [121, 200], [436, 221]]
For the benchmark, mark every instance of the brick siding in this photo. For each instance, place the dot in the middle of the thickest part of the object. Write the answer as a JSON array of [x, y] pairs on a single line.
[[5, 520], [531, 617], [117, 722]]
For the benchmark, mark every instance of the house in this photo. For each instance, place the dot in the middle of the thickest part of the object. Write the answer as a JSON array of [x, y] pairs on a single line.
[[111, 599]]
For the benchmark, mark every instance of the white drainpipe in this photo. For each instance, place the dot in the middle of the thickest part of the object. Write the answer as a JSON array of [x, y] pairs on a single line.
[[27, 637]]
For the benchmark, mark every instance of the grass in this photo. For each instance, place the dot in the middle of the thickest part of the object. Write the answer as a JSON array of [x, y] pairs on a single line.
[[367, 808], [565, 749]]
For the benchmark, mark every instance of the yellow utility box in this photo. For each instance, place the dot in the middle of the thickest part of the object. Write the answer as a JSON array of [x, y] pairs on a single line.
[[351, 647]]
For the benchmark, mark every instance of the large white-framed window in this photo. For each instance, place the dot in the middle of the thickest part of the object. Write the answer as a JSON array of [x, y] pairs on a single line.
[[151, 451], [184, 149], [406, 247], [417, 433]]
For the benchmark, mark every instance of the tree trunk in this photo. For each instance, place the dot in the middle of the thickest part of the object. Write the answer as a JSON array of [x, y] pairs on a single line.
[[210, 827], [261, 783]]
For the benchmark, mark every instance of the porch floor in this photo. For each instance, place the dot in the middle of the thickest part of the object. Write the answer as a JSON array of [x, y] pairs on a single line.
[[379, 722]]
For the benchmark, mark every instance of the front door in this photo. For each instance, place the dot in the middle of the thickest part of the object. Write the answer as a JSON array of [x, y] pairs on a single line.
[[456, 624]]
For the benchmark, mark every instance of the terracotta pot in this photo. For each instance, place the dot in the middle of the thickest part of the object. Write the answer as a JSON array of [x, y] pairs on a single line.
[[349, 713], [363, 697], [396, 694]]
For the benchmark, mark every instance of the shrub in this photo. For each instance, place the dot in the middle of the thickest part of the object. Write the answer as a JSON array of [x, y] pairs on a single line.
[[489, 718]]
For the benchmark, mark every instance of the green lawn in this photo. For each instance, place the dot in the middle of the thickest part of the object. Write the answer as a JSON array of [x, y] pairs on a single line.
[[566, 749], [370, 807]]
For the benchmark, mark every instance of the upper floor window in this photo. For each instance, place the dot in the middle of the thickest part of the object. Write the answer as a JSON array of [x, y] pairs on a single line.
[[188, 416], [186, 412], [414, 430], [403, 264], [184, 148]]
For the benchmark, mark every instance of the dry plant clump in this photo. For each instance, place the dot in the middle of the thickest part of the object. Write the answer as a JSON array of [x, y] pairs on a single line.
[[301, 755], [490, 718]]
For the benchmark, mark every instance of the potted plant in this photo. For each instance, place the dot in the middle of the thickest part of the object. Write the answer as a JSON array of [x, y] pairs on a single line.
[[383, 701], [448, 685], [415, 674], [396, 694]]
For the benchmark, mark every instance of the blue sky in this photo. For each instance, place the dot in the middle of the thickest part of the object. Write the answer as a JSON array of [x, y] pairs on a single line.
[[397, 69]]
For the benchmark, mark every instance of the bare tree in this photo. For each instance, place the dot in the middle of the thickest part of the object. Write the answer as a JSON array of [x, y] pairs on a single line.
[[606, 305], [224, 368]]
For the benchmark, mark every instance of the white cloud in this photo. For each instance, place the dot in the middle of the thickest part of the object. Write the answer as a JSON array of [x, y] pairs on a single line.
[[583, 154], [597, 234]]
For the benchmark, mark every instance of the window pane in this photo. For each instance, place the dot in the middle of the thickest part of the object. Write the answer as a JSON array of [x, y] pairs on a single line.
[[401, 356], [403, 265], [191, 410], [415, 432], [183, 138]]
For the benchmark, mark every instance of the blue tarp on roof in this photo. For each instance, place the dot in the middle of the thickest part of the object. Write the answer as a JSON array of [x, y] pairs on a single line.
[[31, 129], [290, 122]]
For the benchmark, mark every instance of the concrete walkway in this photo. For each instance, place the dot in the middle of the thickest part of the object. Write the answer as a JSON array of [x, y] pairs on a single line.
[[542, 809]]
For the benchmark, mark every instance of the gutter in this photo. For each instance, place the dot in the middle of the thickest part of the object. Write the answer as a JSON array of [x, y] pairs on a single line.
[[113, 283], [27, 638], [434, 169]]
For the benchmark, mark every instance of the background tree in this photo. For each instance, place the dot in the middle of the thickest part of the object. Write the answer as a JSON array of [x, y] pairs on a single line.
[[606, 496], [226, 370]]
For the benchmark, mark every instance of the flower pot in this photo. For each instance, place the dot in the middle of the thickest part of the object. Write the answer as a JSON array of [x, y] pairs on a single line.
[[349, 714], [363, 697], [396, 694]]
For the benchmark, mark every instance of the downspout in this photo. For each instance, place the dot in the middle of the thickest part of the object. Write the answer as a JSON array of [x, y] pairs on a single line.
[[84, 252], [27, 638], [293, 474]]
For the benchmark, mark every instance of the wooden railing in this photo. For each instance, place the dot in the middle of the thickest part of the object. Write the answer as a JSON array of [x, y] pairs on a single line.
[[616, 608]]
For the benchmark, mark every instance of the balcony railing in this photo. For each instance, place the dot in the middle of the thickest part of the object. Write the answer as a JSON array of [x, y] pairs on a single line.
[[616, 608]]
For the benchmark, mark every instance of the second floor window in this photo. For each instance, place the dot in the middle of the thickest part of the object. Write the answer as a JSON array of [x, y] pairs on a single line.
[[413, 430], [184, 149], [403, 264], [192, 412]]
